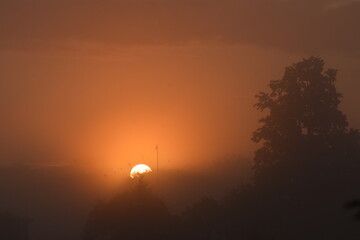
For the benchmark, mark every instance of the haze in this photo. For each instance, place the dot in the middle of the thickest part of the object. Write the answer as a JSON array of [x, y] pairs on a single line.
[[97, 85], [110, 80]]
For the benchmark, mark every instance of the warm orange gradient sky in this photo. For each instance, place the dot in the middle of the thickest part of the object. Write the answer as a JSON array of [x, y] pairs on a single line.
[[103, 82]]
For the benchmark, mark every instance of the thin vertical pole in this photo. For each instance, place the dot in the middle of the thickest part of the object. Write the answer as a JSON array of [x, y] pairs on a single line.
[[157, 167]]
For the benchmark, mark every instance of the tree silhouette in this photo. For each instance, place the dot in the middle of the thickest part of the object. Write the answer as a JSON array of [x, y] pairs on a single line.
[[135, 214], [308, 153], [303, 105]]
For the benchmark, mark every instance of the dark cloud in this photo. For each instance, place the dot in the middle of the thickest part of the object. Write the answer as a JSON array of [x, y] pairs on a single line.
[[292, 25]]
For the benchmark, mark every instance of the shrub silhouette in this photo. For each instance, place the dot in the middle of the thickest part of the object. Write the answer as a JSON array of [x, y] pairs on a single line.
[[133, 214]]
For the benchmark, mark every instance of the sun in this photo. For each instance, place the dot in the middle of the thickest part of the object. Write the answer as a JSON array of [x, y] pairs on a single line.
[[139, 170]]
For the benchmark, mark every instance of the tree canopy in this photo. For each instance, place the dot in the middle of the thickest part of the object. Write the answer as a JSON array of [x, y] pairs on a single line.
[[302, 106], [308, 150]]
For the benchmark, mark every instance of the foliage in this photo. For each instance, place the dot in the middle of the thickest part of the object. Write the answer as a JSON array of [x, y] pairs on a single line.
[[136, 214], [308, 153], [303, 111]]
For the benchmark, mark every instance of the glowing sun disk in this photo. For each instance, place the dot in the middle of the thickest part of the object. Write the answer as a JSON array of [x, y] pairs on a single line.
[[139, 170]]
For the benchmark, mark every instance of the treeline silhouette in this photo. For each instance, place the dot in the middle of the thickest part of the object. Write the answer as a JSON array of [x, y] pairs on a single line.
[[306, 169]]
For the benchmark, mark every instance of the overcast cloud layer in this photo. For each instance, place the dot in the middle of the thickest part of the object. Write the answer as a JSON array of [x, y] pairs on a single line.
[[292, 25]]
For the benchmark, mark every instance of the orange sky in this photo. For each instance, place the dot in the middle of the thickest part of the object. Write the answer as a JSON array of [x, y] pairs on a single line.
[[104, 82]]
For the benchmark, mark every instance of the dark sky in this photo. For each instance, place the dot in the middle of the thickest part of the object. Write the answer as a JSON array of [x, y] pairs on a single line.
[[104, 81], [298, 26]]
